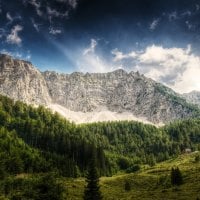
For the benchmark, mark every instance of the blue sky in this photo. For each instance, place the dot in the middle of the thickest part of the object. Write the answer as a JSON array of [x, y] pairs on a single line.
[[161, 39]]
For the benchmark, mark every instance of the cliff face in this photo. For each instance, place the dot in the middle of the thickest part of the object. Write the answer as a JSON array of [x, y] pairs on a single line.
[[193, 97], [20, 80], [118, 92]]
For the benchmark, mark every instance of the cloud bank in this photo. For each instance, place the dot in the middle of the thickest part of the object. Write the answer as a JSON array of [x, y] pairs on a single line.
[[177, 68]]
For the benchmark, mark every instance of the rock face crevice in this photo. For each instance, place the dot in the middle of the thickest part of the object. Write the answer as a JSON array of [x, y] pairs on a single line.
[[116, 91]]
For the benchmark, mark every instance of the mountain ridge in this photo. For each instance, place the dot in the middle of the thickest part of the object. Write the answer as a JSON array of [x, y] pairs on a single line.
[[20, 80], [117, 92], [193, 97]]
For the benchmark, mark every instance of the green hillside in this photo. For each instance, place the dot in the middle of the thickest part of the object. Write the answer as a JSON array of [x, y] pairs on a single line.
[[149, 183], [37, 145]]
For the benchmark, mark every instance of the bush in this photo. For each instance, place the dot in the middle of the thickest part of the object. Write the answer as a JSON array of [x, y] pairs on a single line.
[[133, 168], [123, 163], [41, 187], [176, 176], [127, 186], [197, 158]]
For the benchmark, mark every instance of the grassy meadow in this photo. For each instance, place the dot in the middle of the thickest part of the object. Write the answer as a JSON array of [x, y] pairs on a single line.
[[149, 183]]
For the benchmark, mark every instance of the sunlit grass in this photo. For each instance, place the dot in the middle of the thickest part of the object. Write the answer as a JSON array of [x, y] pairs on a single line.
[[149, 183]]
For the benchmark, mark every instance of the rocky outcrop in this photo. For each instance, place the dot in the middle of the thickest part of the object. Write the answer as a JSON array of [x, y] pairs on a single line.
[[117, 92], [20, 80], [193, 97]]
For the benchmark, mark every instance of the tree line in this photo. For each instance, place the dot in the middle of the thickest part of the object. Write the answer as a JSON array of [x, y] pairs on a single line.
[[37, 141], [119, 145]]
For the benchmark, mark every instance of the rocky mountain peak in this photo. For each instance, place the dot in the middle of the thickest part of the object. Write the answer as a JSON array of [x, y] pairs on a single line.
[[193, 97], [20, 80], [117, 92], [93, 96]]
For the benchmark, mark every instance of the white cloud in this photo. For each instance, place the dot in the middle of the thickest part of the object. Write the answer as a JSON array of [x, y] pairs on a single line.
[[89, 61], [178, 68], [2, 32], [19, 55], [173, 16], [118, 55], [54, 31], [181, 15], [51, 12], [72, 3], [186, 13], [36, 4], [12, 18], [93, 63], [154, 24], [4, 51], [9, 17], [13, 54], [91, 48], [35, 25], [86, 59], [28, 55], [13, 37], [189, 25], [54, 13]]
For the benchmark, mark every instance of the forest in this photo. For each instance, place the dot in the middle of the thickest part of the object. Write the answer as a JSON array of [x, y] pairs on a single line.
[[35, 141]]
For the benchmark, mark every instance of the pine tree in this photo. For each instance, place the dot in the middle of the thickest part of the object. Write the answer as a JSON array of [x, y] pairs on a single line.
[[92, 190], [127, 186], [176, 176], [48, 188], [197, 158]]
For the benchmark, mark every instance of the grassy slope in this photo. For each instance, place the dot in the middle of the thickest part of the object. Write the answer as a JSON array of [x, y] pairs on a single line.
[[149, 183]]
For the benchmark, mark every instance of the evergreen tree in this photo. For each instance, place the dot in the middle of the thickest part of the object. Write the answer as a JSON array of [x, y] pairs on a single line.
[[197, 158], [92, 190], [127, 186], [176, 176], [48, 188]]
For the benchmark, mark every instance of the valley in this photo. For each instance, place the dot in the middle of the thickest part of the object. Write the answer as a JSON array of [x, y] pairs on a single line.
[[99, 100]]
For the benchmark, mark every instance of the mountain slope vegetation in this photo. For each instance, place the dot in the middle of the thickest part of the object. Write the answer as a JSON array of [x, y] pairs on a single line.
[[35, 141], [148, 183]]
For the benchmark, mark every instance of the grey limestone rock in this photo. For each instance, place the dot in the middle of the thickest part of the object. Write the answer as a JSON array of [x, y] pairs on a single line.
[[117, 91], [21, 81], [193, 97]]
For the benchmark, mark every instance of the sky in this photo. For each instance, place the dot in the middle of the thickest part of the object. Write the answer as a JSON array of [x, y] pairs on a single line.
[[160, 39]]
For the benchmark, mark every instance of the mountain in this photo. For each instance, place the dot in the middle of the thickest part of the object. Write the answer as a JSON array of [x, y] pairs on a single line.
[[20, 80], [193, 97], [93, 97]]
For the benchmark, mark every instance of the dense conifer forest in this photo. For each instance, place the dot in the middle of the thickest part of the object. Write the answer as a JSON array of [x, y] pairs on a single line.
[[36, 141]]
